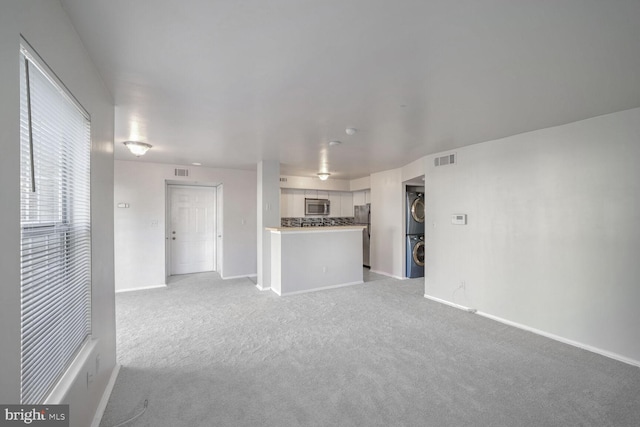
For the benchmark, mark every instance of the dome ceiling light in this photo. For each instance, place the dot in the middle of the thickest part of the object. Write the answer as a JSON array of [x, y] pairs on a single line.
[[137, 148]]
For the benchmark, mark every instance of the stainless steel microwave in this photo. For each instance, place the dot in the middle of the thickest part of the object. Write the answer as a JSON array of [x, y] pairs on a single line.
[[316, 207]]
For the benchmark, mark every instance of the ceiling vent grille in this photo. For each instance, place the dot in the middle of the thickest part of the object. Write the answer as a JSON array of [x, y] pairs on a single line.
[[182, 172], [283, 179], [449, 159]]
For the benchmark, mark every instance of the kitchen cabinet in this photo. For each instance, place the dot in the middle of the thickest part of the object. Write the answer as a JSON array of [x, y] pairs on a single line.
[[346, 204], [336, 203], [361, 197], [298, 197], [286, 200], [358, 198], [292, 201]]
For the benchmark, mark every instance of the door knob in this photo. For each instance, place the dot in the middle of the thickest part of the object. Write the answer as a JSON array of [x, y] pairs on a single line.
[[173, 238]]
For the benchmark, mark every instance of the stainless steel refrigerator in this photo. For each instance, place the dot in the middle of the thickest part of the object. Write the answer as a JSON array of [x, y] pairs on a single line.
[[362, 216]]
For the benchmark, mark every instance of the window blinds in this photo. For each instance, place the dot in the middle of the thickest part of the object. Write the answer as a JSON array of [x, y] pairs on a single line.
[[55, 250]]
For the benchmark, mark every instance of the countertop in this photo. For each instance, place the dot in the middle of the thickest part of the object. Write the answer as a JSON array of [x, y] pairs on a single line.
[[315, 229]]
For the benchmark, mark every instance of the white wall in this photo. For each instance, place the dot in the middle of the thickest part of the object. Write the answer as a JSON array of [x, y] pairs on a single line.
[[553, 232], [359, 184], [140, 244], [413, 170], [308, 183], [47, 28], [387, 232], [268, 215]]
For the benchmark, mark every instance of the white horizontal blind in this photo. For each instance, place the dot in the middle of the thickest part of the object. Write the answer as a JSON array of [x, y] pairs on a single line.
[[55, 225]]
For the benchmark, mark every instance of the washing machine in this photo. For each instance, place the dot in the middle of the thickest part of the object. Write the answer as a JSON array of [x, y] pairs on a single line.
[[415, 255], [415, 213]]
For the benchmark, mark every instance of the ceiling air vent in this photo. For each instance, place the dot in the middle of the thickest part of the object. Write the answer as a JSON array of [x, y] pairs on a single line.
[[449, 159], [283, 179], [182, 172]]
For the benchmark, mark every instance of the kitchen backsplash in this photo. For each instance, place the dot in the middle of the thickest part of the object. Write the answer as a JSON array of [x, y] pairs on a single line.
[[316, 222]]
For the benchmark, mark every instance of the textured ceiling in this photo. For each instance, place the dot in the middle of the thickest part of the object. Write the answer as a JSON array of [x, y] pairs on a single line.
[[228, 83]]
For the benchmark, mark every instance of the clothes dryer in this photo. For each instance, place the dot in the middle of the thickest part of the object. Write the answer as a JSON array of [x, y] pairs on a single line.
[[415, 213]]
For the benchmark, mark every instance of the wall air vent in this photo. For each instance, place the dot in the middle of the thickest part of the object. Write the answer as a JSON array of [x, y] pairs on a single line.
[[449, 159], [182, 172], [283, 179]]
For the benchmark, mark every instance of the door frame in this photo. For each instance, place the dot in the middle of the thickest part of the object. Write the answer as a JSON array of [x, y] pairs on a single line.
[[217, 222]]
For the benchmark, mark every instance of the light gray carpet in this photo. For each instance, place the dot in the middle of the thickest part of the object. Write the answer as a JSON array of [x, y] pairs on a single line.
[[208, 352]]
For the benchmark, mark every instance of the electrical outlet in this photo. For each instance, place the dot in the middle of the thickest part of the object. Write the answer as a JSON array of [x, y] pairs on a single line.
[[324, 269], [89, 378]]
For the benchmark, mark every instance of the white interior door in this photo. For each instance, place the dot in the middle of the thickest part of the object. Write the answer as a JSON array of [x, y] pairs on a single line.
[[192, 229], [219, 228]]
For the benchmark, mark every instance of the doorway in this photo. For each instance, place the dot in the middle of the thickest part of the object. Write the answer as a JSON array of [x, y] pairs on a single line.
[[191, 229]]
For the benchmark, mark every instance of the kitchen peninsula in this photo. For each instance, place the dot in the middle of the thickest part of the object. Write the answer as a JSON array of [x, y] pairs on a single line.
[[305, 259]]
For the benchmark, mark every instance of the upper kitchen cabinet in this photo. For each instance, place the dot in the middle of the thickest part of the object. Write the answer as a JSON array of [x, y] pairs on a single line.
[[346, 204], [292, 202], [361, 197], [336, 202], [286, 203]]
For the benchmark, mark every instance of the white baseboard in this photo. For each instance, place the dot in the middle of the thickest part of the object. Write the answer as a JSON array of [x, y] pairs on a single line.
[[260, 288], [583, 346], [554, 337], [341, 285], [143, 288], [388, 275], [102, 405], [451, 304], [241, 276]]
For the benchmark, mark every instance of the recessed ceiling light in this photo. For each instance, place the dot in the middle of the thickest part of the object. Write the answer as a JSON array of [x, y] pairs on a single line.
[[351, 131], [334, 143], [196, 164], [323, 176]]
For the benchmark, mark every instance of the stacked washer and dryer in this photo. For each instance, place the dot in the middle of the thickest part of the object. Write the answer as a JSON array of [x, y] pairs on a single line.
[[415, 233]]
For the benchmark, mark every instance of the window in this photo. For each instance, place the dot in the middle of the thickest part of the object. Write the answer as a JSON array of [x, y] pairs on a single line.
[[55, 250]]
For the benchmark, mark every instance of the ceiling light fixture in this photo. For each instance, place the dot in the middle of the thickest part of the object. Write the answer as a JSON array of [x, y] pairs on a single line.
[[351, 131], [323, 176], [137, 148], [334, 143], [196, 164]]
